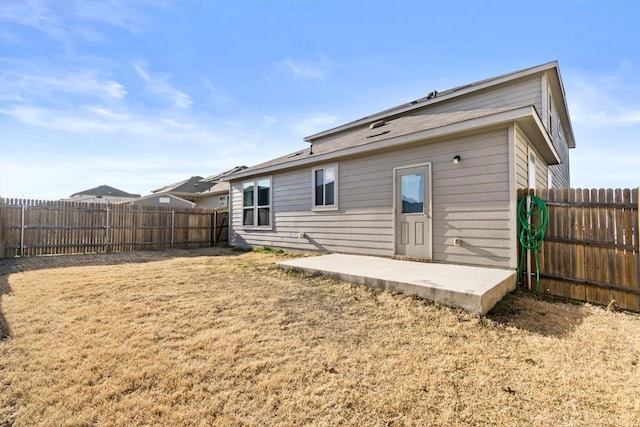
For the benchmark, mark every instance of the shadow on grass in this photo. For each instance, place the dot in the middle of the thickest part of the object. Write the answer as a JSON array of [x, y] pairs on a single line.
[[5, 332], [19, 265], [543, 315]]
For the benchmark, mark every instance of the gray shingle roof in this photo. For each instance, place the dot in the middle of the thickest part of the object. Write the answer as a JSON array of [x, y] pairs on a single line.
[[190, 185], [104, 191], [393, 128], [218, 177]]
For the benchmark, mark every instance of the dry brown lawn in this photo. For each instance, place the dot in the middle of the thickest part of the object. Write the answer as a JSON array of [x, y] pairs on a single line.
[[222, 338]]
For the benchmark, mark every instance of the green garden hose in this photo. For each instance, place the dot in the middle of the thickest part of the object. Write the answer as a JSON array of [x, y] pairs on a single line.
[[533, 216]]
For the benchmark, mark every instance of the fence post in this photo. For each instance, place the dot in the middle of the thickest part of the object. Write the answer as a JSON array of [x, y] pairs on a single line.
[[106, 232], [215, 227], [22, 229], [173, 224], [2, 231]]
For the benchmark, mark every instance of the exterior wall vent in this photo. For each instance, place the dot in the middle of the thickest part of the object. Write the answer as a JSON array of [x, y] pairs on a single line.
[[377, 124]]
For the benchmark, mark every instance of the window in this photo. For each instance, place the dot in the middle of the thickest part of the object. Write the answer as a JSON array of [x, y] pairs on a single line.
[[325, 187], [532, 170], [256, 203], [413, 193], [223, 201]]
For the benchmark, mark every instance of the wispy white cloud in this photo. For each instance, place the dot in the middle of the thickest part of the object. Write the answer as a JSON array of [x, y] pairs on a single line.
[[121, 14], [17, 85], [158, 85], [305, 69], [314, 123], [216, 97], [133, 151], [268, 121], [606, 100], [65, 21], [92, 119]]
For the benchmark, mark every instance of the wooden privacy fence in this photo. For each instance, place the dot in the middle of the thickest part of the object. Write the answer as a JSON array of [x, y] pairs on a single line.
[[35, 227], [591, 246]]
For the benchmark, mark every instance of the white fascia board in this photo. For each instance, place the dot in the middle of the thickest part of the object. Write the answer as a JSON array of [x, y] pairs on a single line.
[[454, 128]]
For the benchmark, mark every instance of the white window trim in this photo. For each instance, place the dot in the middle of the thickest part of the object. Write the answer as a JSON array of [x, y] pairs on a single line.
[[255, 204], [224, 197], [336, 192]]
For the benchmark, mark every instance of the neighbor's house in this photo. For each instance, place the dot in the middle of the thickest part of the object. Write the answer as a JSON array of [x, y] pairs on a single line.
[[217, 196], [164, 200], [210, 192], [433, 179], [102, 194]]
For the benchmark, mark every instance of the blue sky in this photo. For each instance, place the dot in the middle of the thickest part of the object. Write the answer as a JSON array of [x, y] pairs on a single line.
[[137, 94]]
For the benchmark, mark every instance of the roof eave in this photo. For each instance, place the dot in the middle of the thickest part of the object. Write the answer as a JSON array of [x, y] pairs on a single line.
[[534, 128], [526, 115], [565, 117]]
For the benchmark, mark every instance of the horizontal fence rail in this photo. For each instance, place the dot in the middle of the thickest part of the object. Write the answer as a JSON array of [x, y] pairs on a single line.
[[591, 249], [36, 227]]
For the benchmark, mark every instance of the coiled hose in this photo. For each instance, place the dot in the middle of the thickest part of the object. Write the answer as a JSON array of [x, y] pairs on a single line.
[[533, 217]]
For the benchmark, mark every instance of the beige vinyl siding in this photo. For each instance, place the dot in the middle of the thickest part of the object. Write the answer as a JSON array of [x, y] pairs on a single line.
[[510, 95], [470, 201], [516, 94], [522, 159], [541, 173], [523, 149], [560, 173], [210, 202]]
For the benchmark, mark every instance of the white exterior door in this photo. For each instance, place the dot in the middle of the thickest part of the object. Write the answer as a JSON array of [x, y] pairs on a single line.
[[413, 211]]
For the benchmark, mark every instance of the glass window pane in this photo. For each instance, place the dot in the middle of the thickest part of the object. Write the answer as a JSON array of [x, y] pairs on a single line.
[[319, 187], [329, 186], [263, 216], [264, 192], [413, 193], [247, 216], [247, 195], [329, 191]]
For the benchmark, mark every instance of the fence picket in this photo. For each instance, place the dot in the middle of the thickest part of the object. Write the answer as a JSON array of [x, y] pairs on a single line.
[[62, 227], [592, 249]]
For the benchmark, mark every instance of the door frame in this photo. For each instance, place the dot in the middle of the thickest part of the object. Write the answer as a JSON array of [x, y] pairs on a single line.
[[429, 207]]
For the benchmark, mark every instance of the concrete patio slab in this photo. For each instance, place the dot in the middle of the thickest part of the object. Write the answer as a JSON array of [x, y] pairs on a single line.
[[476, 289]]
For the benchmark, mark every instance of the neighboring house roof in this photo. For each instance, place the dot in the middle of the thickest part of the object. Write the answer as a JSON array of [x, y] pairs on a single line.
[[218, 177], [219, 188], [188, 186], [551, 68], [155, 197], [104, 191], [197, 186], [407, 129], [99, 199]]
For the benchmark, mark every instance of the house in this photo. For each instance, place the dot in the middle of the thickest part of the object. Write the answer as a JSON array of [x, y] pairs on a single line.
[[217, 196], [208, 192], [166, 200], [102, 194], [432, 179], [187, 189]]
